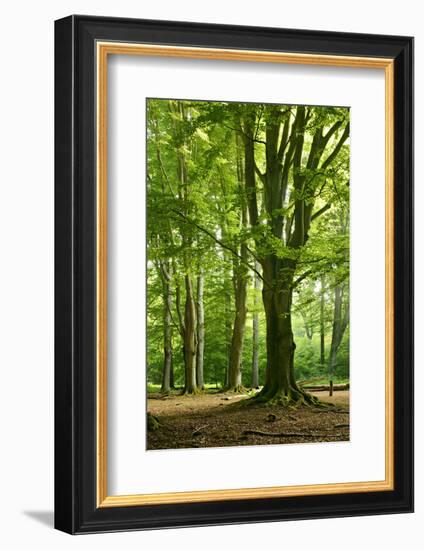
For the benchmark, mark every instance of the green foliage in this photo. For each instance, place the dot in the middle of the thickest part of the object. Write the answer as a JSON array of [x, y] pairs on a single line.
[[195, 205]]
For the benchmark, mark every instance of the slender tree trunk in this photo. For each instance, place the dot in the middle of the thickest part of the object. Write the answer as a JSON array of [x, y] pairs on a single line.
[[200, 332], [255, 331], [236, 351], [171, 375], [226, 291], [227, 335], [167, 338], [189, 324], [190, 338], [240, 291], [309, 330], [322, 325], [340, 322]]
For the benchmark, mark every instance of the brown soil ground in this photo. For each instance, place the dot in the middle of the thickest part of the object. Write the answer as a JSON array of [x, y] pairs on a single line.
[[215, 420]]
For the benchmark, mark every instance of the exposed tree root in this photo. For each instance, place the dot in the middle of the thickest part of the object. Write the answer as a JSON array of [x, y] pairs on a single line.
[[159, 396], [235, 389], [193, 391], [290, 399], [153, 423]]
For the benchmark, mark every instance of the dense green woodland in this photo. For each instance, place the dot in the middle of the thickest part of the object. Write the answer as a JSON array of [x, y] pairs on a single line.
[[248, 247]]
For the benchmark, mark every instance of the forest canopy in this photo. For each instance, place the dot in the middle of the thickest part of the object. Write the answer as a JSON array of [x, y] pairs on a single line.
[[247, 247]]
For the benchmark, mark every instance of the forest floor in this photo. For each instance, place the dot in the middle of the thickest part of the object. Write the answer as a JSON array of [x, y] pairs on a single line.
[[213, 420]]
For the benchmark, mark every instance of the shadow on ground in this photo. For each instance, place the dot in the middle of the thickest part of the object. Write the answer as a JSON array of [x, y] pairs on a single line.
[[46, 517]]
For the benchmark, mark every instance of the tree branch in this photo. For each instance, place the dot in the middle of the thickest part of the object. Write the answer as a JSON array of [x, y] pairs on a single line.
[[285, 140], [320, 211], [178, 308], [331, 132], [301, 278], [337, 148], [259, 173], [223, 245], [249, 174]]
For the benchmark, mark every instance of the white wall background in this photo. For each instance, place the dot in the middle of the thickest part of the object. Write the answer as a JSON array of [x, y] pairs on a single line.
[[26, 274]]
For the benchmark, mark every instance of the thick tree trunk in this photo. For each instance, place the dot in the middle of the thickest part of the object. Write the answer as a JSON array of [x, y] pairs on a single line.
[[200, 333], [190, 338], [255, 332], [280, 384], [279, 336], [167, 338]]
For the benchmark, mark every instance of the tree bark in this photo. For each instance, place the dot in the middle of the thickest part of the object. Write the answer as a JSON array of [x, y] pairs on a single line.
[[280, 384], [321, 325], [189, 324], [190, 338], [240, 293], [309, 329], [200, 333], [236, 351], [171, 376], [340, 322], [228, 327], [255, 331], [167, 338]]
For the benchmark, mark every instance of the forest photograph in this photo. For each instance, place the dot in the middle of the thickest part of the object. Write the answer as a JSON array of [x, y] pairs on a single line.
[[247, 273]]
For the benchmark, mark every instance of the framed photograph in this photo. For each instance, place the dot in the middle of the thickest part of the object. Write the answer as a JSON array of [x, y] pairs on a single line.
[[234, 269]]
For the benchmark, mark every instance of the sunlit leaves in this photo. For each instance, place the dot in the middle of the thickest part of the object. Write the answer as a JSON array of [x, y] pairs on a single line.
[[196, 194]]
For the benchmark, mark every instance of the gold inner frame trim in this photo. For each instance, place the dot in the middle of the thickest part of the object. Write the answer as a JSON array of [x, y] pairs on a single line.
[[104, 49]]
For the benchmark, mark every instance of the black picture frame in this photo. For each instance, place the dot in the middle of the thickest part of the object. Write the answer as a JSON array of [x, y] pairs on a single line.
[[76, 510]]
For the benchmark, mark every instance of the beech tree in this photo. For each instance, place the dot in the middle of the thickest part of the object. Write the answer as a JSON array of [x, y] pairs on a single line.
[[255, 329], [302, 146], [340, 322], [240, 275], [200, 331]]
